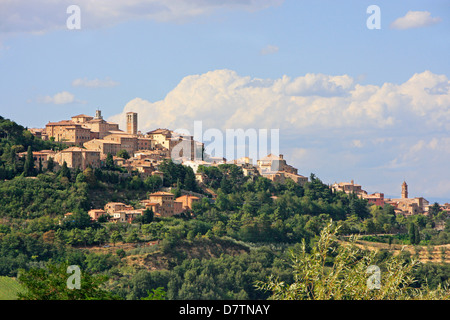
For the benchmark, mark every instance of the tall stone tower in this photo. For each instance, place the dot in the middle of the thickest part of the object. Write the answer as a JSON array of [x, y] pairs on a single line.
[[404, 190], [98, 114], [132, 122]]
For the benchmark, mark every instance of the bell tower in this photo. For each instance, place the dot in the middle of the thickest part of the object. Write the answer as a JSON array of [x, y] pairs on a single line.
[[404, 190], [98, 114], [132, 122]]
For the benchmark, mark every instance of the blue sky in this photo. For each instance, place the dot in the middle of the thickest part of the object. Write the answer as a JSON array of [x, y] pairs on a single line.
[[360, 114]]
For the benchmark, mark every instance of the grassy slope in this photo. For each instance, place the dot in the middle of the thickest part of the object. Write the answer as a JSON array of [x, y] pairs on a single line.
[[9, 287]]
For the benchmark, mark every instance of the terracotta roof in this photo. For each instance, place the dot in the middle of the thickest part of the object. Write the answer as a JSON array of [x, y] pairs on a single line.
[[159, 130], [63, 123], [104, 141], [271, 157], [77, 149], [82, 116], [161, 193], [116, 131], [188, 196]]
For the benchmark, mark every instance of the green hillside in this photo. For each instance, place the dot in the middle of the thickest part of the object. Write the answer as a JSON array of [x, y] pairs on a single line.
[[9, 287]]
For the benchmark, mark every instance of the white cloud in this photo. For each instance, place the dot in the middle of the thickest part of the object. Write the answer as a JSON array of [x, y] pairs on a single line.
[[46, 15], [269, 49], [63, 97], [357, 143], [333, 124], [95, 83], [223, 99], [415, 19]]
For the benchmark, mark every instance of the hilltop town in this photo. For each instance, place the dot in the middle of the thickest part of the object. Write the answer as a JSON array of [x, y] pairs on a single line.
[[90, 139]]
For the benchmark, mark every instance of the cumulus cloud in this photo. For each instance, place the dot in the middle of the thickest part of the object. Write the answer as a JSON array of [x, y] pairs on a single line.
[[224, 99], [94, 83], [59, 98], [415, 19], [269, 49], [46, 15]]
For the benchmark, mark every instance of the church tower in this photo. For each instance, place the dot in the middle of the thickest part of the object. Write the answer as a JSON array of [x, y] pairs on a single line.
[[132, 122], [404, 190], [98, 114]]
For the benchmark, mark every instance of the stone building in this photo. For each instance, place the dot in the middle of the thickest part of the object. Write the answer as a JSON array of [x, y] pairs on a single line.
[[119, 140], [187, 201], [165, 200], [409, 206], [273, 163], [276, 169], [348, 188], [103, 146], [68, 132], [376, 198], [41, 156], [112, 207], [180, 147], [76, 157], [80, 129], [96, 213]]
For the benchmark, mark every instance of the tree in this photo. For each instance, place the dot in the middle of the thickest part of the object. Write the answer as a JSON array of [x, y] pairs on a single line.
[[109, 162], [115, 237], [153, 183], [78, 220], [101, 236], [91, 179], [28, 169], [417, 235], [177, 191], [64, 171], [40, 165], [156, 294], [132, 237], [51, 283], [189, 180], [80, 178], [434, 209], [123, 154], [412, 233], [225, 185], [147, 216], [347, 278], [50, 164]]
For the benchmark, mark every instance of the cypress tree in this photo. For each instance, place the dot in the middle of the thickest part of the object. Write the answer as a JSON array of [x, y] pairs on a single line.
[[412, 233], [417, 235], [28, 169], [50, 164], [65, 172]]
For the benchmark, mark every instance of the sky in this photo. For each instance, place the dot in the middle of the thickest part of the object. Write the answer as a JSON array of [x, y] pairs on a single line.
[[356, 94]]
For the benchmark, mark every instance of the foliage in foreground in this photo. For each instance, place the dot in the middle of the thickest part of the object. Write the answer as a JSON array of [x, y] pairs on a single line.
[[347, 278], [51, 284]]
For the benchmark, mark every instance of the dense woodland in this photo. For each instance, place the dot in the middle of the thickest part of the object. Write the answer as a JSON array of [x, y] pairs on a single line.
[[219, 250]]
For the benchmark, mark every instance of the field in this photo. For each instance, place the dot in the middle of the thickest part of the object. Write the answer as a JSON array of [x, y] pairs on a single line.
[[9, 287], [436, 254]]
